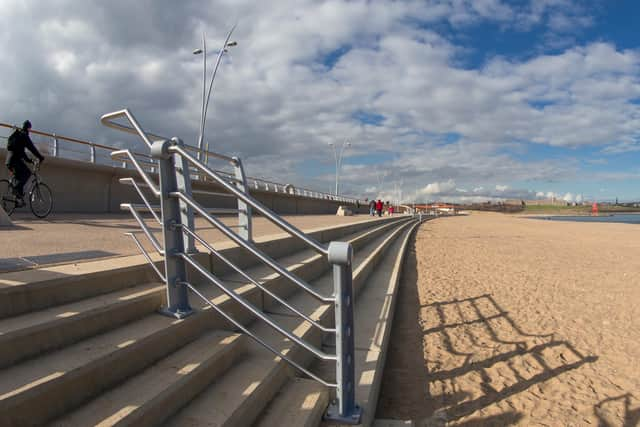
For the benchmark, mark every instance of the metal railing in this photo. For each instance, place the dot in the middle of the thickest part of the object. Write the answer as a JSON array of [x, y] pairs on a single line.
[[177, 207], [77, 149]]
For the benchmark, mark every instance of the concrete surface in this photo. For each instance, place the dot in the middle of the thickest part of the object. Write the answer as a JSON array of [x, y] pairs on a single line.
[[73, 237]]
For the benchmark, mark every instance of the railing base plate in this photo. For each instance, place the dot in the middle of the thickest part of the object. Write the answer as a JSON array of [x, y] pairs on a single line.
[[332, 415], [178, 314]]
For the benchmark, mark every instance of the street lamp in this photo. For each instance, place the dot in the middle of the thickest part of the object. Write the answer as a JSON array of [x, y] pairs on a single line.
[[206, 95], [338, 157]]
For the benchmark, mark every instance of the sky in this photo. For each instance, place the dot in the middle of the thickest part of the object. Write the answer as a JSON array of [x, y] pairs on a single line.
[[441, 100]]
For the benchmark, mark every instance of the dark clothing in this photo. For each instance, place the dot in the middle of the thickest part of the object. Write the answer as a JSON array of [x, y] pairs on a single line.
[[16, 158], [21, 172], [20, 141]]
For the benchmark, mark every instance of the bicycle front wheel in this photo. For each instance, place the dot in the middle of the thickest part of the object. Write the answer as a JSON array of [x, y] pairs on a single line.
[[7, 199], [40, 200]]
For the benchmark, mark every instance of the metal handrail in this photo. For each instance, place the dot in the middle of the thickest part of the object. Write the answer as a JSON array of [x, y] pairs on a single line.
[[107, 120], [144, 227], [142, 173], [255, 282], [251, 248], [257, 339], [253, 202], [246, 304], [146, 255], [142, 196]]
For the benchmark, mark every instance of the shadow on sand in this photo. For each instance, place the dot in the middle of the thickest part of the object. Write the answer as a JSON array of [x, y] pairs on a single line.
[[414, 373]]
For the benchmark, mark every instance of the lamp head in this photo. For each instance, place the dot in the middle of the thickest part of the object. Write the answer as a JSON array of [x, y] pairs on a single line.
[[197, 51]]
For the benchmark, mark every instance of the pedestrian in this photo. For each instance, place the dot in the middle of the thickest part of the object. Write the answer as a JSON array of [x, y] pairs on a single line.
[[16, 158], [379, 207], [372, 208], [391, 210]]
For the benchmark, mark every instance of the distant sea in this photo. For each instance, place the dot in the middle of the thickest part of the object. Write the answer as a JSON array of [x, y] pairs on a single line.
[[630, 218]]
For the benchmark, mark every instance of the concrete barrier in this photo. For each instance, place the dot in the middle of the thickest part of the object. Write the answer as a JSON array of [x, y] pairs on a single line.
[[81, 187]]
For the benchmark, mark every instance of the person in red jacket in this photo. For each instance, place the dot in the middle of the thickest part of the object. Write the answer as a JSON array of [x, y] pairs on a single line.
[[379, 207]]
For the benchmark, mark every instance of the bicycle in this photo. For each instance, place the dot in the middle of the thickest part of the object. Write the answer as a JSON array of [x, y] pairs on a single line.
[[40, 197]]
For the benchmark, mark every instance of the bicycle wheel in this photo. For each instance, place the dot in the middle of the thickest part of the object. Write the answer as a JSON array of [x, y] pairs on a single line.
[[40, 200], [8, 199]]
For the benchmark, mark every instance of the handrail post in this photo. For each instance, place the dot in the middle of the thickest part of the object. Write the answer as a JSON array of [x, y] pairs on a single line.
[[55, 146], [244, 210], [344, 409], [183, 180], [175, 270]]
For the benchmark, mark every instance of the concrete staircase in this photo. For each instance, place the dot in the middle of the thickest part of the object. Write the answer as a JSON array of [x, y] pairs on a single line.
[[83, 344]]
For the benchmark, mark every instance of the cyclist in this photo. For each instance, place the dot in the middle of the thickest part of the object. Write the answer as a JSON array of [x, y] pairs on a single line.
[[16, 157]]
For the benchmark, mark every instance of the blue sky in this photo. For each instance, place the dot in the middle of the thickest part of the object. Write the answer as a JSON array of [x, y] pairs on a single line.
[[456, 100]]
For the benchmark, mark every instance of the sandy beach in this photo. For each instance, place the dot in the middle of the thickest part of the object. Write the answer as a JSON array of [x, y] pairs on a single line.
[[504, 320]]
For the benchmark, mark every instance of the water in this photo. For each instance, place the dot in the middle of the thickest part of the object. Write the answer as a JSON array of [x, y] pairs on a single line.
[[625, 218]]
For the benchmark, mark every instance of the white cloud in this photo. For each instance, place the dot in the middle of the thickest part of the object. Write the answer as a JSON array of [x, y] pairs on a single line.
[[302, 70], [436, 188]]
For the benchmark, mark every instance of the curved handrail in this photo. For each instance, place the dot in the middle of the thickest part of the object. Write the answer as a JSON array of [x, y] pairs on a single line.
[[107, 120]]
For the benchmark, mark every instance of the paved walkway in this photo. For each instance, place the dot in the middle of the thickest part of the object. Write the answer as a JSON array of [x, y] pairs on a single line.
[[74, 237]]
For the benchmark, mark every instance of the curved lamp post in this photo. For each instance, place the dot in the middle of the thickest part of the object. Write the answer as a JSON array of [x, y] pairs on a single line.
[[338, 156], [205, 99]]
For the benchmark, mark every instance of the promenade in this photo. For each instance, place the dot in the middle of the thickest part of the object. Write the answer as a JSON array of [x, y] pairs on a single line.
[[65, 238]]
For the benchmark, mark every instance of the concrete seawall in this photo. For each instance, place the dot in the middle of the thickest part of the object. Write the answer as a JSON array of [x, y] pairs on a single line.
[[81, 187]]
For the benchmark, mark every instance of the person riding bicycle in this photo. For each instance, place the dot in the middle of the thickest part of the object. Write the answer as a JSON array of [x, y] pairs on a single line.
[[16, 158]]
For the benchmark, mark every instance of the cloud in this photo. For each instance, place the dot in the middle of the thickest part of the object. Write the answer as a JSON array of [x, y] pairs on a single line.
[[436, 188], [306, 73]]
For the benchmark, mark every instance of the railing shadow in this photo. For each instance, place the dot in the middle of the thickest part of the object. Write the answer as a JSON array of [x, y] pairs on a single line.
[[631, 416], [476, 337], [483, 336]]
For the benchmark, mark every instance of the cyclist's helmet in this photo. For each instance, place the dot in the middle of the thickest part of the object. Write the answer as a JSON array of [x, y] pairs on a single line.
[[26, 125]]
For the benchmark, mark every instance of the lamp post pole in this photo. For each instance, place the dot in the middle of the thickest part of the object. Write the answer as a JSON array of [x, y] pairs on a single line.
[[206, 95], [338, 158]]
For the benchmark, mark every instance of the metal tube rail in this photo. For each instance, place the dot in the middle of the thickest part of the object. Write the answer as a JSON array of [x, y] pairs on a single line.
[[107, 120], [148, 258], [251, 248], [256, 338], [144, 227], [254, 203], [246, 304], [255, 282], [142, 173], [141, 194]]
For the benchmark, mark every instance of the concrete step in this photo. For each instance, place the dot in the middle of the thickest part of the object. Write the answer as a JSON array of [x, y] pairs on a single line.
[[32, 334], [29, 335], [56, 383], [32, 290], [151, 396], [240, 396], [300, 403]]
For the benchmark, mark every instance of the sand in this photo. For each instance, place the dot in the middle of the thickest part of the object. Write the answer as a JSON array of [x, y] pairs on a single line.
[[504, 320]]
